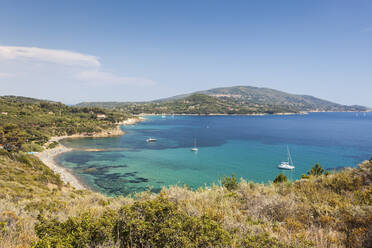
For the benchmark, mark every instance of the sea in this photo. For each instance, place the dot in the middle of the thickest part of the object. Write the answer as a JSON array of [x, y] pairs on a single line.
[[250, 147]]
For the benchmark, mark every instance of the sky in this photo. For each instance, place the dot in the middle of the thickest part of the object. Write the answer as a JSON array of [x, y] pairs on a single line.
[[74, 51]]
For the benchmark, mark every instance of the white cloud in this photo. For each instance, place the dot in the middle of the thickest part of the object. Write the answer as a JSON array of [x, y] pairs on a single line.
[[63, 57], [107, 77], [53, 64], [6, 75]]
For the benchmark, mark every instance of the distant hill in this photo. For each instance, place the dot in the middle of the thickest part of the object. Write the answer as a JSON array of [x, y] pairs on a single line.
[[23, 99], [230, 100]]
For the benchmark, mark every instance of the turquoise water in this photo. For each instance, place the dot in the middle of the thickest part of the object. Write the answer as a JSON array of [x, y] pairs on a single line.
[[251, 147]]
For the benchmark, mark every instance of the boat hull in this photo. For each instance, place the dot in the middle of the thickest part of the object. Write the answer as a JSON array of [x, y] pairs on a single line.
[[285, 168]]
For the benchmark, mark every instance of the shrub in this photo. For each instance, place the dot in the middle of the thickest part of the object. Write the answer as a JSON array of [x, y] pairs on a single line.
[[262, 241], [86, 230], [280, 178], [52, 145], [355, 223], [230, 183], [159, 223], [32, 147], [151, 223], [343, 181]]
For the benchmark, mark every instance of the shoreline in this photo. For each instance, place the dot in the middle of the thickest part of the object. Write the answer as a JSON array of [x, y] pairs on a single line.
[[257, 114], [48, 156], [113, 132], [216, 114]]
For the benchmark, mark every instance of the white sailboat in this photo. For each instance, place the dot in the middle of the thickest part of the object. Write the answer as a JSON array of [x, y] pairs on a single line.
[[151, 140], [287, 165], [194, 149]]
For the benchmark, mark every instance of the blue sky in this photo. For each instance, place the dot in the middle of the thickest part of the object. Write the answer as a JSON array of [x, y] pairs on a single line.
[[74, 51]]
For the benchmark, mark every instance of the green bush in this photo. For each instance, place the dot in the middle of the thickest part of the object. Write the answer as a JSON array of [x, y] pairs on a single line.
[[159, 223], [280, 178], [152, 223], [262, 241], [86, 230], [52, 145], [230, 183], [31, 147]]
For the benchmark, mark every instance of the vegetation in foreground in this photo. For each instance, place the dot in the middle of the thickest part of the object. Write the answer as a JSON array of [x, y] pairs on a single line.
[[38, 210]]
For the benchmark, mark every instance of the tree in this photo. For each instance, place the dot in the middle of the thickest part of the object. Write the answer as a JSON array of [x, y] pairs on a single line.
[[316, 171], [12, 137]]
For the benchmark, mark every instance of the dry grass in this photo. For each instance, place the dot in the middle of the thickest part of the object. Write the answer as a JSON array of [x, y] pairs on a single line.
[[327, 211]]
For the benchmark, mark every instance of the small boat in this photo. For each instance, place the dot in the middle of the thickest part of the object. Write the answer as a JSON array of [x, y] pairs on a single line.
[[163, 116], [151, 140], [288, 165], [194, 149]]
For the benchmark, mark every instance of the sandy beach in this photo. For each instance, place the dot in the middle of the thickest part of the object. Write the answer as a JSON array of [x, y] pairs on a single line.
[[48, 158], [48, 155]]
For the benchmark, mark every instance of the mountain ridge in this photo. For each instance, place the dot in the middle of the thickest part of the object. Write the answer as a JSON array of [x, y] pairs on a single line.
[[231, 100]]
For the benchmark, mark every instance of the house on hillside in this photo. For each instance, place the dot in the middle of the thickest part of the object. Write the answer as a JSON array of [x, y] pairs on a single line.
[[4, 113], [101, 116]]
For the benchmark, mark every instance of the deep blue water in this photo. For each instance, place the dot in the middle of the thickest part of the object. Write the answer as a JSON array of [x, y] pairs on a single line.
[[251, 147]]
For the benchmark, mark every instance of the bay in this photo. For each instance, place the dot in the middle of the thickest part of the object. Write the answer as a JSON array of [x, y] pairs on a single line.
[[250, 147]]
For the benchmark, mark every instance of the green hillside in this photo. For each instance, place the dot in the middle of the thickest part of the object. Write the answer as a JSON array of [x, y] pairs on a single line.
[[204, 104], [230, 100], [265, 96], [27, 123]]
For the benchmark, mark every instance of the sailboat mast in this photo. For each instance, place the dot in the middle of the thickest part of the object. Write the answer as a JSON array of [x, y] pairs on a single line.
[[289, 157]]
